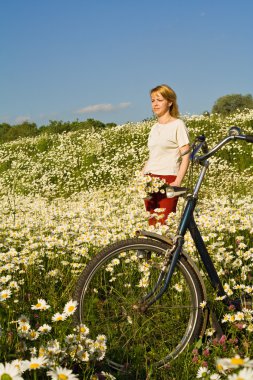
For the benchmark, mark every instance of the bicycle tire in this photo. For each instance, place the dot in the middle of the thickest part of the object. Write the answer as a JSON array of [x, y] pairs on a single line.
[[114, 281]]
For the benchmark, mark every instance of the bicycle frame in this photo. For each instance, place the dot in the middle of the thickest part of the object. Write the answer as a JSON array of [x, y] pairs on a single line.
[[187, 222]]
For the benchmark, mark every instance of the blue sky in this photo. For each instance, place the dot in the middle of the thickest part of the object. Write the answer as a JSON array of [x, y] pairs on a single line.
[[78, 59]]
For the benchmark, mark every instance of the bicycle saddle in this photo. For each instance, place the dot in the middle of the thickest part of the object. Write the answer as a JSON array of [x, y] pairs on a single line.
[[175, 191]]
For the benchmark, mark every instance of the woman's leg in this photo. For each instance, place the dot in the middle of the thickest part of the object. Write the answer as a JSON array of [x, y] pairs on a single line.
[[170, 205], [151, 205]]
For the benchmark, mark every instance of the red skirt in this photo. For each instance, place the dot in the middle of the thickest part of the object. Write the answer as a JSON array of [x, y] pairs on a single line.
[[159, 200]]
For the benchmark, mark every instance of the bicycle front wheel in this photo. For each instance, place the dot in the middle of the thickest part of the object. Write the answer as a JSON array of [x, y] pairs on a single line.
[[111, 286]]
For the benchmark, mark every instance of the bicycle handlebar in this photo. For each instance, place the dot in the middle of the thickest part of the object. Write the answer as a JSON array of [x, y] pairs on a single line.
[[234, 134], [249, 138]]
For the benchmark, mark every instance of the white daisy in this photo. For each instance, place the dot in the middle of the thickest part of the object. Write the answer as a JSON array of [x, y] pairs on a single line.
[[33, 351], [23, 319], [19, 364], [202, 372], [5, 279], [83, 330], [35, 363], [215, 376], [10, 371], [44, 329], [58, 317], [243, 374], [144, 282], [40, 305], [33, 334], [101, 338], [202, 304], [70, 307], [234, 362], [83, 356], [108, 375], [210, 331], [23, 329], [61, 373], [53, 347], [71, 338], [42, 351], [4, 294], [178, 287], [14, 285]]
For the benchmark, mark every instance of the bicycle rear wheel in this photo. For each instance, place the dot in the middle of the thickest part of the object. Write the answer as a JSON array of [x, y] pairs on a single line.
[[111, 286]]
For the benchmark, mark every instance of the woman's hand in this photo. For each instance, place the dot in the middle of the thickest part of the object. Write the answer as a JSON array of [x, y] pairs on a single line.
[[175, 183]]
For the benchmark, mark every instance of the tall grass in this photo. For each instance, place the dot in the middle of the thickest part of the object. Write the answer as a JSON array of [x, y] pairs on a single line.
[[64, 197]]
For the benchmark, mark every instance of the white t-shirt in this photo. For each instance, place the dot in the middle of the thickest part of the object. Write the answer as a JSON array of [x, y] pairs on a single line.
[[164, 142]]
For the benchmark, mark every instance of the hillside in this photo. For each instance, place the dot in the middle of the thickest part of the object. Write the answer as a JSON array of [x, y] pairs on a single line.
[[63, 164], [65, 196]]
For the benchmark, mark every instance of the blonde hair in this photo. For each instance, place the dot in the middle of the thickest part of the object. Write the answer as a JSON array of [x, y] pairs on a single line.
[[169, 95]]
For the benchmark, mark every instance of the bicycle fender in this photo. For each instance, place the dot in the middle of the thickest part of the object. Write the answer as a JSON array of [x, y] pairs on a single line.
[[155, 236]]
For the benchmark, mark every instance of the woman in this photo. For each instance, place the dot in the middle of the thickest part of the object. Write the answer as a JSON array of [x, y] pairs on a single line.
[[169, 147]]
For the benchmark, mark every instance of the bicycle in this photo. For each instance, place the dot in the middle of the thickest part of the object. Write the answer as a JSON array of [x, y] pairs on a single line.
[[149, 305]]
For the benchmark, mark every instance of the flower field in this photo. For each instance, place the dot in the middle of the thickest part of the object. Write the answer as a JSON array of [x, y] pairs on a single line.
[[64, 197]]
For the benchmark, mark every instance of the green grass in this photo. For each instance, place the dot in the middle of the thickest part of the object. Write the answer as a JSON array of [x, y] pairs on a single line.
[[64, 197]]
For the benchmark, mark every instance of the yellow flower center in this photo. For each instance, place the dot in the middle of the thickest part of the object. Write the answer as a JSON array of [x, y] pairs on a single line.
[[61, 376], [34, 365], [71, 308], [237, 361], [38, 305]]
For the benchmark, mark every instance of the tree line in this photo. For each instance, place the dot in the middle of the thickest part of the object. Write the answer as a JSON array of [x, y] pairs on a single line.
[[225, 105], [28, 129]]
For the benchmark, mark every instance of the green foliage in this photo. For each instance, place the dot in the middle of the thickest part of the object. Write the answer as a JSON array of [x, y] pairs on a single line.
[[10, 133], [229, 104], [27, 129], [57, 127], [4, 129]]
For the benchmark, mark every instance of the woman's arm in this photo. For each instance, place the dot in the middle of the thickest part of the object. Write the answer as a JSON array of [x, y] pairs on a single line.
[[143, 169], [185, 152]]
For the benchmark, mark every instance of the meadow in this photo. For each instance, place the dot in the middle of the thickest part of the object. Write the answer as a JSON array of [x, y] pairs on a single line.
[[64, 197]]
